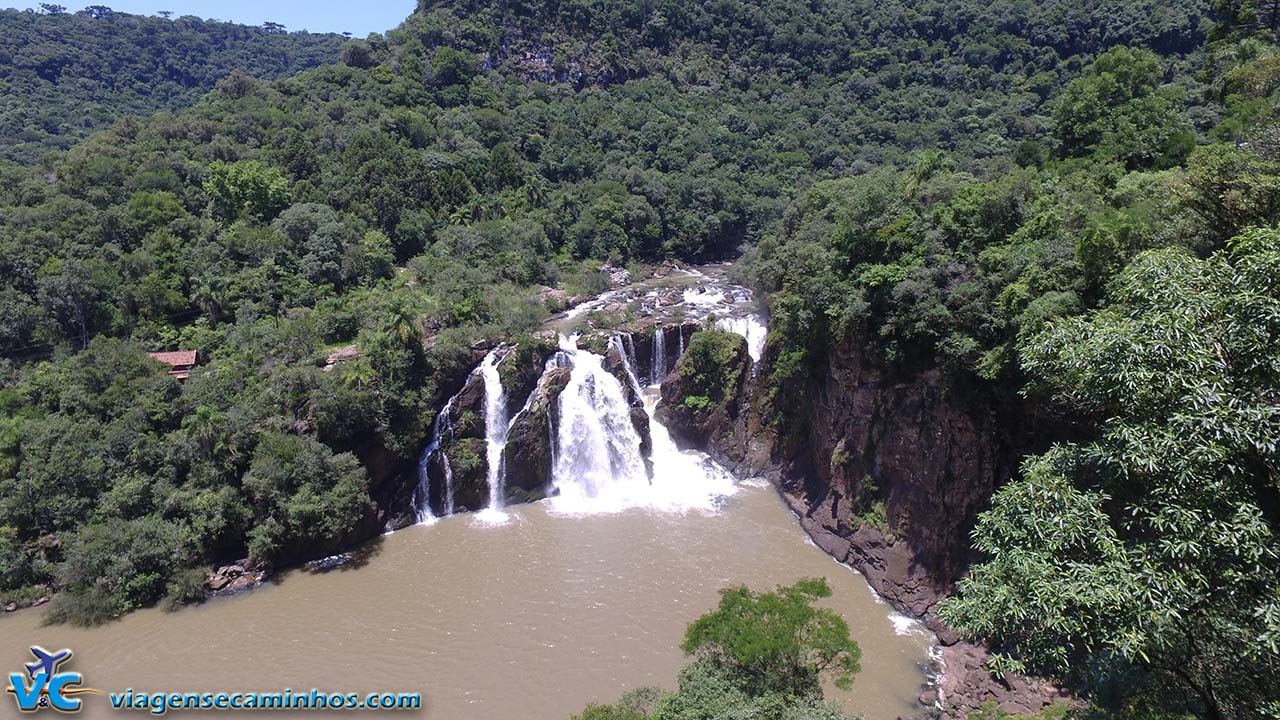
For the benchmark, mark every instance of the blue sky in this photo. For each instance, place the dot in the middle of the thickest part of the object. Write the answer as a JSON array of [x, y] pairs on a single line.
[[358, 18]]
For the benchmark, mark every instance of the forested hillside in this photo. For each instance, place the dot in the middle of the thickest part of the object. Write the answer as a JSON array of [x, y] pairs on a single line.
[[1121, 279], [65, 75], [1056, 199]]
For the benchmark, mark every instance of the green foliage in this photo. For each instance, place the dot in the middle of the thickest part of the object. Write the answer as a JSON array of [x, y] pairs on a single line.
[[114, 567], [869, 506], [308, 494], [66, 75], [776, 642], [696, 402], [246, 190], [185, 587], [637, 704], [759, 656], [712, 364], [709, 690], [991, 711], [1172, 504], [1232, 189], [1118, 111]]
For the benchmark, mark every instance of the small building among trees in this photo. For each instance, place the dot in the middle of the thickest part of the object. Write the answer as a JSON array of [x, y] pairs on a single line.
[[180, 362]]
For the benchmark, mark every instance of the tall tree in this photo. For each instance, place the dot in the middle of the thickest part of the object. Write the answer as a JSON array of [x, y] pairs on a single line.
[[1153, 549]]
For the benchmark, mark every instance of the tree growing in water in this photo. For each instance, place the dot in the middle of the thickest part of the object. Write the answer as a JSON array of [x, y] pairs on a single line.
[[758, 655]]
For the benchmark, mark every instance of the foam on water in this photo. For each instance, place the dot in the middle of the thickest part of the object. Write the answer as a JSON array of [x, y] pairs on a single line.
[[598, 467]]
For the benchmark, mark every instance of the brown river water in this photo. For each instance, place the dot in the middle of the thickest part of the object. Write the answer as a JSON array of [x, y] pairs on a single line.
[[521, 613], [528, 620]]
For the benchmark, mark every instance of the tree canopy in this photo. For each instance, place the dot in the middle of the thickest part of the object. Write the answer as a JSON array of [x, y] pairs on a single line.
[[66, 75], [757, 656], [1155, 545]]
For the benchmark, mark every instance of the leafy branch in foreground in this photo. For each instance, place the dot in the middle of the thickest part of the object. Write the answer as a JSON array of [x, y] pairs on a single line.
[[1146, 560]]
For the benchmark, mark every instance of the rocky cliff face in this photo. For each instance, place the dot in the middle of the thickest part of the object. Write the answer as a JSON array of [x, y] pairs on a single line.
[[704, 417], [887, 473], [529, 452]]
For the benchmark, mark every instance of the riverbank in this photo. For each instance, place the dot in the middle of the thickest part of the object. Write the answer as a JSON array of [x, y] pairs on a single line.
[[528, 620]]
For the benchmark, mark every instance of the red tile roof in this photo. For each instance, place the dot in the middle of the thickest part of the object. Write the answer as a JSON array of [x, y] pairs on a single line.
[[176, 358]]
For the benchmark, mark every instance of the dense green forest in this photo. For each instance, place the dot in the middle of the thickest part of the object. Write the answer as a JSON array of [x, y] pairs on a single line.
[[1124, 276], [1072, 202], [65, 75]]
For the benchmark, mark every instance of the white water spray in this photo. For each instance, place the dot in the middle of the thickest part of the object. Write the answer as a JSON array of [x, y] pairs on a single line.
[[619, 344], [597, 452], [597, 464]]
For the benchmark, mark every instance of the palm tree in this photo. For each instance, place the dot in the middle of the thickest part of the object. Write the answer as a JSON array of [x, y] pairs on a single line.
[[359, 373], [401, 324], [210, 293]]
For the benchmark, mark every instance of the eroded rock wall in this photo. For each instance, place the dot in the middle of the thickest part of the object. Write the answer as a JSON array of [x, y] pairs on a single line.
[[887, 472]]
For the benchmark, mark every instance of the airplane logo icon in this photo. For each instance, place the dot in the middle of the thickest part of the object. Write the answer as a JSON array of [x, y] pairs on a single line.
[[45, 686], [47, 662]]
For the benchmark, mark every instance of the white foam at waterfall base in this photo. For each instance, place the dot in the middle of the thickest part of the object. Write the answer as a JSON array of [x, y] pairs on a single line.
[[598, 467], [683, 479], [421, 493]]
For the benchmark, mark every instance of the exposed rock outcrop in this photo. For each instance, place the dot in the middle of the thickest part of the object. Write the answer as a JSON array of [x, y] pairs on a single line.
[[234, 578], [528, 454], [887, 473], [966, 685], [675, 335], [698, 416], [465, 450]]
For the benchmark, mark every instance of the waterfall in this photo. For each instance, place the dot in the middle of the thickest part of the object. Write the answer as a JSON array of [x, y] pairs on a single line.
[[441, 430], [422, 492], [448, 483], [619, 344], [749, 327], [496, 427], [596, 461], [631, 352], [659, 370], [682, 479], [680, 343]]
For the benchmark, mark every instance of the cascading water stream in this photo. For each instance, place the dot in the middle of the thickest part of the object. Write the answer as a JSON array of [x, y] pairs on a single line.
[[496, 429], [659, 369], [596, 459], [422, 492], [441, 430], [620, 345], [597, 451], [597, 464], [750, 327], [631, 354]]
